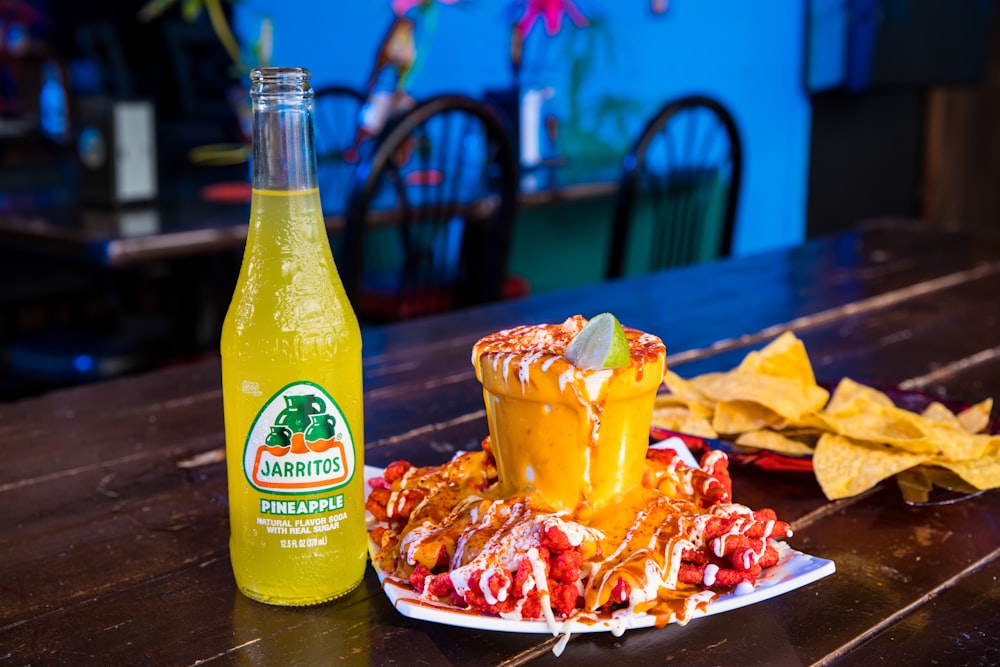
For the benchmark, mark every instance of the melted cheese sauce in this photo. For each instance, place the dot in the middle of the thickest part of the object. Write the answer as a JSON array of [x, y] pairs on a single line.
[[641, 539], [567, 450], [576, 437]]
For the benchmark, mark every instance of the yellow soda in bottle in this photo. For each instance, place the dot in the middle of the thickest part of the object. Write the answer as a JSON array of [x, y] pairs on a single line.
[[291, 375]]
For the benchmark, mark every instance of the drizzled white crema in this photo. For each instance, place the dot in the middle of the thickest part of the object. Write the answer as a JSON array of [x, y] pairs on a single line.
[[493, 537], [514, 530], [499, 535]]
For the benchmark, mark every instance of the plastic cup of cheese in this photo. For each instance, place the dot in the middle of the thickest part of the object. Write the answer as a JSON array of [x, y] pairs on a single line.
[[576, 437]]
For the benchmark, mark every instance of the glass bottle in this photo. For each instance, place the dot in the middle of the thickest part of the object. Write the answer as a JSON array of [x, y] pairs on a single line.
[[291, 374]]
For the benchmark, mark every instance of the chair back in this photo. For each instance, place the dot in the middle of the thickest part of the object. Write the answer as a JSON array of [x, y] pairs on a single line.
[[336, 110], [679, 187], [429, 218]]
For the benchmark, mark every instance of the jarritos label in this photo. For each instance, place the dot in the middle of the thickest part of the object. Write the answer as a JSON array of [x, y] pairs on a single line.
[[300, 442]]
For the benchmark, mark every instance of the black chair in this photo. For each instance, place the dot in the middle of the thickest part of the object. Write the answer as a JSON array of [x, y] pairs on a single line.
[[429, 219], [680, 183], [336, 110]]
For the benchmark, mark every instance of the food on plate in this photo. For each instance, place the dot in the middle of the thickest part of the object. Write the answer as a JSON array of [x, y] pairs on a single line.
[[566, 512], [857, 436], [773, 388]]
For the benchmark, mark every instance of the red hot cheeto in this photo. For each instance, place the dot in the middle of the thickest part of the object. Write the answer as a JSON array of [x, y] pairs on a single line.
[[566, 512]]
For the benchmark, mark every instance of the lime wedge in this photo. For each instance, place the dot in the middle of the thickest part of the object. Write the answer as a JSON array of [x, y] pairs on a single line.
[[600, 344]]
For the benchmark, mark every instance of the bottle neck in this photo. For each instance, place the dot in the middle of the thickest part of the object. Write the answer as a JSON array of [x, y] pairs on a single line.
[[284, 158]]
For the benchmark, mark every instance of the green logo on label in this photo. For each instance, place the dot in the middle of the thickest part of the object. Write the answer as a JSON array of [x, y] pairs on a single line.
[[300, 442]]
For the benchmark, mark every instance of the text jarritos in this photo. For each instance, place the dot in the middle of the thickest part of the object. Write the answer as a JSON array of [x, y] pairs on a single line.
[[299, 443]]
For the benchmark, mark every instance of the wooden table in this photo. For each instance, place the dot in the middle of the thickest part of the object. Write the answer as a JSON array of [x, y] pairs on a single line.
[[113, 543]]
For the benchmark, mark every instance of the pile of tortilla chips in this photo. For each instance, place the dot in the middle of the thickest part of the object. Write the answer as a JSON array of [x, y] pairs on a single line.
[[857, 436]]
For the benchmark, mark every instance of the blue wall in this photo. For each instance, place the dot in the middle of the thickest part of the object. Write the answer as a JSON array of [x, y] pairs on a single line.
[[629, 60]]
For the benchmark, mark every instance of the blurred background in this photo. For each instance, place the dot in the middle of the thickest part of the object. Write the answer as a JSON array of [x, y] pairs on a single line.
[[846, 109]]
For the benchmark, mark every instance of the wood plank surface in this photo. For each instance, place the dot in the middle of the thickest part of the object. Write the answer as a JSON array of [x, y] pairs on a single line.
[[114, 538]]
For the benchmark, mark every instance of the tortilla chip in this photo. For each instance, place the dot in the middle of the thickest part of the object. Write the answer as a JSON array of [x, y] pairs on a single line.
[[892, 426], [775, 442], [845, 467], [937, 412], [665, 415], [976, 418], [790, 398], [983, 473], [848, 391], [917, 483], [732, 417], [803, 433], [857, 435], [784, 357], [957, 444], [682, 419], [680, 387], [702, 407]]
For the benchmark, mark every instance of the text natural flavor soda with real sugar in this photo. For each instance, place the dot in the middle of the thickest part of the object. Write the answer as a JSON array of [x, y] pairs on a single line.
[[291, 375]]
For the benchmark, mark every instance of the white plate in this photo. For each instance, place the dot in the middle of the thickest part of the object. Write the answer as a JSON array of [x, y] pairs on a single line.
[[794, 570]]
